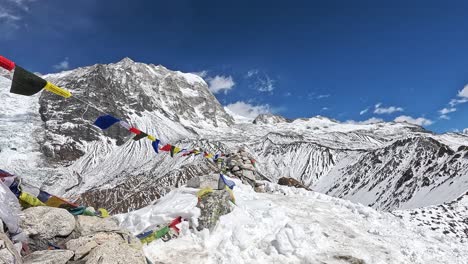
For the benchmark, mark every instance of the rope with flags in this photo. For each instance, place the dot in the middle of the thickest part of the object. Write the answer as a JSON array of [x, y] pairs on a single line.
[[27, 83]]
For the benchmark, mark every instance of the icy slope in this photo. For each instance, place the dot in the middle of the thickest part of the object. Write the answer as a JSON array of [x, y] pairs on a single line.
[[292, 225]]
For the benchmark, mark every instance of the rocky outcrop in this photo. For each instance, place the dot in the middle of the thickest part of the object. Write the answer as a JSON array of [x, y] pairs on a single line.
[[269, 119], [291, 182], [76, 239], [212, 206], [49, 257]]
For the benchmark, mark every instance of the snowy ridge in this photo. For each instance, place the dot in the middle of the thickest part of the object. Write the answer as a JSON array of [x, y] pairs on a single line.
[[289, 225]]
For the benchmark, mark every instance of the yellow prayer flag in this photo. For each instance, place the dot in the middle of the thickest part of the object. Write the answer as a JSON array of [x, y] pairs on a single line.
[[57, 90], [150, 137]]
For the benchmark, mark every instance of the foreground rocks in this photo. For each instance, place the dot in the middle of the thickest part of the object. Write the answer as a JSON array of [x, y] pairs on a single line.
[[213, 206], [74, 240]]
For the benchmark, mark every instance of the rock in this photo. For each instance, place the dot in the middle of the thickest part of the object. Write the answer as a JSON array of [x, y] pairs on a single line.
[[8, 252], [83, 245], [244, 158], [249, 175], [249, 167], [47, 222], [350, 259], [291, 182], [213, 206], [236, 168], [207, 181], [115, 252], [88, 225], [49, 257]]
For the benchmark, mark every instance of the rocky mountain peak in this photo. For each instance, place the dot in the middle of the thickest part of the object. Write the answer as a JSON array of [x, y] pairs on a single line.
[[269, 119]]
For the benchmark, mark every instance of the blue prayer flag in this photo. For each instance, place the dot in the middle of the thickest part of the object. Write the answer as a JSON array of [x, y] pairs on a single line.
[[106, 121], [229, 183], [156, 145]]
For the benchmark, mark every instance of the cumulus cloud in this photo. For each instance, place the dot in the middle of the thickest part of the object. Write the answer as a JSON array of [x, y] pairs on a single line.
[[386, 110], [372, 120], [465, 131], [420, 121], [364, 111], [220, 83], [63, 65], [445, 111], [247, 110], [464, 92]]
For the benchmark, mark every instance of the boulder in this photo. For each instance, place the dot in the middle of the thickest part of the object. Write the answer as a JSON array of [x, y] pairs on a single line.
[[236, 168], [249, 167], [49, 257], [47, 222], [207, 181], [83, 245], [249, 175], [291, 182], [88, 225], [115, 252], [8, 252], [213, 206]]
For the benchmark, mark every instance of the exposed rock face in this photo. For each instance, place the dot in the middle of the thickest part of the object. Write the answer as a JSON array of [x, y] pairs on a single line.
[[213, 206], [49, 257], [87, 225], [115, 252], [47, 222], [8, 251], [124, 89], [291, 182], [269, 119]]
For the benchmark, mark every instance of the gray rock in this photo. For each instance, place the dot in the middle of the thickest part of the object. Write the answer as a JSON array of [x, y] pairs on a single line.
[[83, 245], [236, 168], [207, 181], [49, 257], [248, 174], [194, 182], [8, 252], [115, 252], [47, 222], [213, 206], [88, 225], [249, 167]]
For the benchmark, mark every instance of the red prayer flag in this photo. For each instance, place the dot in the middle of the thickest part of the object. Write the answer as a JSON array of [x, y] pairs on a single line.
[[166, 147], [135, 130]]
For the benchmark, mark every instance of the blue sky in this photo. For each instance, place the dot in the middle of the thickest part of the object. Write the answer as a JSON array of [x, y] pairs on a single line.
[[348, 60]]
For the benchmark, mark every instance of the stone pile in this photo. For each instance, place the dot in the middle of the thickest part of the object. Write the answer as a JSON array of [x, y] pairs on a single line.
[[74, 240], [242, 166]]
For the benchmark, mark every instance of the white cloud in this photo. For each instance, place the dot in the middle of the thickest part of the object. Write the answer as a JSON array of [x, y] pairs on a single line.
[[220, 83], [420, 121], [325, 108], [465, 131], [321, 96], [464, 93], [364, 111], [11, 14], [445, 111], [386, 110], [202, 74], [63, 65], [446, 117], [248, 111], [261, 81], [372, 120], [455, 102]]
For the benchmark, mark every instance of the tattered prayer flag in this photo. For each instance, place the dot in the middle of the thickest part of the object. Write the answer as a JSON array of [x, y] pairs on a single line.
[[57, 90], [216, 157], [150, 137], [106, 121], [125, 125], [174, 224], [166, 147], [140, 136], [174, 150], [208, 155], [155, 145], [135, 130], [228, 183], [26, 83]]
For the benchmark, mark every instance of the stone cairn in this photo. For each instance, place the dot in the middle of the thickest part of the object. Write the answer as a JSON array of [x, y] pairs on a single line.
[[242, 166]]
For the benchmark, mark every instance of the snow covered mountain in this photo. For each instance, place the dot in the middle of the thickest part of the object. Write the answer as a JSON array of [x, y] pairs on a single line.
[[51, 141]]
